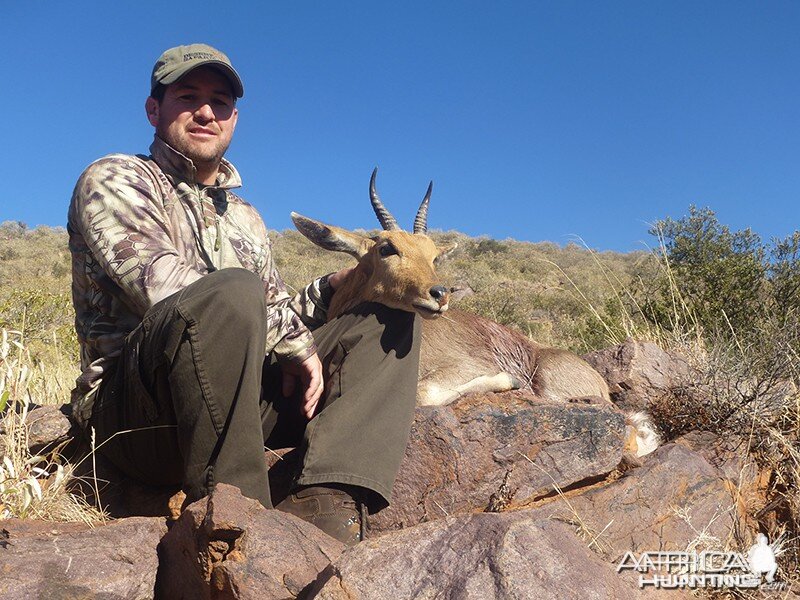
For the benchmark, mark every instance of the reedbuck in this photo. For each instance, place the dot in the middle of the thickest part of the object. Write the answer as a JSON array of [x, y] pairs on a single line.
[[461, 352]]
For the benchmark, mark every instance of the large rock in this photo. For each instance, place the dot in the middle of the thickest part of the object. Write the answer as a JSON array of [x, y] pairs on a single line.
[[639, 373], [229, 546], [675, 501], [458, 456], [729, 453], [46, 426], [69, 560], [483, 556], [49, 425]]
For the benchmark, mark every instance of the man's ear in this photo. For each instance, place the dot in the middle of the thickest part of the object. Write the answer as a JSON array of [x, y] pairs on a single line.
[[234, 118], [151, 108]]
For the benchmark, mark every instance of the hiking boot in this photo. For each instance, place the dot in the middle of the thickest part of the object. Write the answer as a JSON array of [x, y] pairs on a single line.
[[336, 512]]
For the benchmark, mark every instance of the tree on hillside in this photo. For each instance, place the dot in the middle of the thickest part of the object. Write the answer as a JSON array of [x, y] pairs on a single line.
[[784, 277], [730, 281], [721, 275]]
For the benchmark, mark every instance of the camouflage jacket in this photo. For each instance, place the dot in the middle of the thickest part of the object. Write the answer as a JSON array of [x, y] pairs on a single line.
[[141, 229]]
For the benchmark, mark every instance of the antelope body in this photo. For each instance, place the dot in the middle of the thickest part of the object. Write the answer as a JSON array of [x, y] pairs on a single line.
[[461, 352]]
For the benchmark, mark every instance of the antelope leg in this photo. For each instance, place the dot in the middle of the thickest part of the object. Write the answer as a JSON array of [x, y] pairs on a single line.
[[430, 393]]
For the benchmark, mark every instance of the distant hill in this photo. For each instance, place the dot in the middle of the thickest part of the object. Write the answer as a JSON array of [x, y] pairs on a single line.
[[543, 289]]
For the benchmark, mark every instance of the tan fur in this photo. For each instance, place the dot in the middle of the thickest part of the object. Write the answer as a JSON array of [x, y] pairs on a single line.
[[401, 280], [459, 348]]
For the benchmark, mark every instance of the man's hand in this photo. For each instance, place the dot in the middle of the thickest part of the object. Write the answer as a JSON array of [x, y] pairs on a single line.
[[310, 370], [310, 374]]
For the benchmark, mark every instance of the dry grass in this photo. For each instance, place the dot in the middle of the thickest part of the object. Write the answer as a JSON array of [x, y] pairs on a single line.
[[623, 313], [746, 393], [31, 486]]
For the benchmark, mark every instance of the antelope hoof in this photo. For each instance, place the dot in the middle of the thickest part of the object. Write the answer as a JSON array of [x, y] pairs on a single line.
[[516, 384]]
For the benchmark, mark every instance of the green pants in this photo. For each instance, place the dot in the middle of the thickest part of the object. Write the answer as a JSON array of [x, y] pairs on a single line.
[[196, 400]]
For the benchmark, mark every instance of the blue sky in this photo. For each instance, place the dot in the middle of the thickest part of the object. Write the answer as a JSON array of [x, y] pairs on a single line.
[[536, 120]]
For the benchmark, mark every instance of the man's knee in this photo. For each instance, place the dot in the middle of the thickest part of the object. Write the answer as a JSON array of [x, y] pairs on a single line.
[[230, 295], [236, 286]]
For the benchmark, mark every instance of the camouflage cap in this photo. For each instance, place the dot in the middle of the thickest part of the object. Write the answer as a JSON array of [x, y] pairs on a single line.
[[177, 62]]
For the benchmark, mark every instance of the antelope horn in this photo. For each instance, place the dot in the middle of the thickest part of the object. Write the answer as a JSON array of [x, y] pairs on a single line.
[[421, 220], [384, 216]]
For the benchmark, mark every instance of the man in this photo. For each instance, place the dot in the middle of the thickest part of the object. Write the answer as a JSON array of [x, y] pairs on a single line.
[[193, 355]]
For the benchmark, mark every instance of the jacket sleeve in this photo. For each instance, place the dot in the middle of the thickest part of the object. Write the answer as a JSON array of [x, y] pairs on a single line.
[[311, 304], [120, 214], [287, 333]]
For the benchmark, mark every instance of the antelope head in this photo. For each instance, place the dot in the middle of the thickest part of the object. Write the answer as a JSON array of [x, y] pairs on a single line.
[[395, 268]]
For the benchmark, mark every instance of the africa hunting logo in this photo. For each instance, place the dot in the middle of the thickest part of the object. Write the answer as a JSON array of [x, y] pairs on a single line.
[[709, 568]]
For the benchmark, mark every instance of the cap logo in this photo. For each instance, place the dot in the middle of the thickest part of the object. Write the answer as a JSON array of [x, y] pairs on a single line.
[[195, 55]]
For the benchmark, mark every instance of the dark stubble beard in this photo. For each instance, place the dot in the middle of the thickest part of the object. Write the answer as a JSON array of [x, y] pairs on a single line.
[[204, 157]]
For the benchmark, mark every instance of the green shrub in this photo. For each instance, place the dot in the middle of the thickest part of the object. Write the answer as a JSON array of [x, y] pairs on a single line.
[[43, 318], [784, 278], [730, 282], [721, 274]]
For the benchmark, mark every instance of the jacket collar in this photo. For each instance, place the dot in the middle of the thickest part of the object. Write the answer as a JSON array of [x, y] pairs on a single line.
[[179, 167]]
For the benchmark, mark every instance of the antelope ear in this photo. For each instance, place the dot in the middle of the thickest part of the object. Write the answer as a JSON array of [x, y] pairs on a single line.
[[444, 251], [332, 238]]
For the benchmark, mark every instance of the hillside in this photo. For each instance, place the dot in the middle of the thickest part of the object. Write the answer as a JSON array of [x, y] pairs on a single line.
[[542, 289]]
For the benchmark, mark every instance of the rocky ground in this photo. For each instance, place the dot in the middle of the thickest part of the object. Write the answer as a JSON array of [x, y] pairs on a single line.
[[499, 496]]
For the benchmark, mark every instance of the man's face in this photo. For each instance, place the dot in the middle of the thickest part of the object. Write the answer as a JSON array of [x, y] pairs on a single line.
[[197, 116]]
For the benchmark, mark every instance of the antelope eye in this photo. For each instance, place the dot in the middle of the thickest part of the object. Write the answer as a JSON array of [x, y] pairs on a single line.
[[387, 250]]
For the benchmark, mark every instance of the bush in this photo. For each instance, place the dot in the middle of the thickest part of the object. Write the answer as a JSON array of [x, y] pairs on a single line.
[[721, 274], [727, 283], [784, 278]]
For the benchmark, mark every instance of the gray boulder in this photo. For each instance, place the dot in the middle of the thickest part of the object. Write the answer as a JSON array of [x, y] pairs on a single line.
[[460, 455], [486, 556], [675, 501], [72, 560], [639, 373]]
